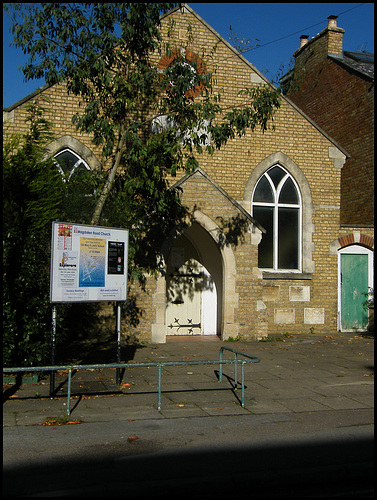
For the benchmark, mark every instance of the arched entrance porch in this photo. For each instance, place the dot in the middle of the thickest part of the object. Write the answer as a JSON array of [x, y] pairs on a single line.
[[199, 273]]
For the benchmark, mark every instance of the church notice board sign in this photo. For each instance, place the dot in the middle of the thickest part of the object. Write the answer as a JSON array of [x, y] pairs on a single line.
[[88, 263]]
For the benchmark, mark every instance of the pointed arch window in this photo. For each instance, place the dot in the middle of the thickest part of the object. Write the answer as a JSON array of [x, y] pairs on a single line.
[[69, 163], [277, 206]]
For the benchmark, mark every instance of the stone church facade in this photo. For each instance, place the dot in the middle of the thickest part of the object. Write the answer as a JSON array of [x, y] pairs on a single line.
[[282, 187]]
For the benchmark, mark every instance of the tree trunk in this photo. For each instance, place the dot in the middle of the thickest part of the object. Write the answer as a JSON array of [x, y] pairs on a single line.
[[110, 180]]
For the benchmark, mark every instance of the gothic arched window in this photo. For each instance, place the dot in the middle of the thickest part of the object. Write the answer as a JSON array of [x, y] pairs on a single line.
[[277, 206], [69, 163]]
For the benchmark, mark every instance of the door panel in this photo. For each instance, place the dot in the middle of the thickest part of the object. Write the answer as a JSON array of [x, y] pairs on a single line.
[[354, 284], [183, 313], [191, 301]]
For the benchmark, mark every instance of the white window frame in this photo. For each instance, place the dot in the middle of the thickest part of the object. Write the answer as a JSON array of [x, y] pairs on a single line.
[[276, 205], [76, 164]]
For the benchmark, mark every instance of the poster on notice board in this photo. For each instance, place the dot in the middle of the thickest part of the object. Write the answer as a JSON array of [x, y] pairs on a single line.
[[88, 263]]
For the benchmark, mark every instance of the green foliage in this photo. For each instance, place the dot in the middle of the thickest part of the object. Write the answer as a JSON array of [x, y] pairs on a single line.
[[34, 195], [102, 52], [369, 299]]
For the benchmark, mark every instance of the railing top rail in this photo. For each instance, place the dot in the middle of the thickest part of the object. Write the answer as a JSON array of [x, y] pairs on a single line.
[[49, 368], [117, 365], [254, 359]]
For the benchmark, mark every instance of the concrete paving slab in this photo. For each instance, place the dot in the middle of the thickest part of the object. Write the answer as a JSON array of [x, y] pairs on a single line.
[[186, 410], [206, 396], [227, 409], [339, 402], [282, 389], [266, 407], [303, 405], [139, 412]]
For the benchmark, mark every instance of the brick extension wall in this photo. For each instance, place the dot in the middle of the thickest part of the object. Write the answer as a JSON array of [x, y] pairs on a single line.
[[341, 102]]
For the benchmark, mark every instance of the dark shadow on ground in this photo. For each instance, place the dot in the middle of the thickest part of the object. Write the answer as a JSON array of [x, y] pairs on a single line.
[[332, 468], [95, 351], [83, 352]]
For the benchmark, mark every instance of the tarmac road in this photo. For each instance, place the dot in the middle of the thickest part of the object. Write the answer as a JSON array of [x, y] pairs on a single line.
[[306, 430], [205, 456]]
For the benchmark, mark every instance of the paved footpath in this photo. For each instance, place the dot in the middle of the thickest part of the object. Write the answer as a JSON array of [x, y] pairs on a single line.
[[306, 428]]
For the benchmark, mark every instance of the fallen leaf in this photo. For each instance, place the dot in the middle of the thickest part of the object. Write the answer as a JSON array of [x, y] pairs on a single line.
[[180, 406], [132, 438]]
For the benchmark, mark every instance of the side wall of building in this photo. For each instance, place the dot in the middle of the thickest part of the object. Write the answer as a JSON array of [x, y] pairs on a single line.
[[341, 101]]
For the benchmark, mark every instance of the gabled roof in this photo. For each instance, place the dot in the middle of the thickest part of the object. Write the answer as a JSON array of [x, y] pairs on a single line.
[[361, 62], [186, 7], [222, 191]]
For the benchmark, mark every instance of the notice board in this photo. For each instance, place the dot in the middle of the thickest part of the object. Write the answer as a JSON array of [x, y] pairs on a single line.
[[88, 263]]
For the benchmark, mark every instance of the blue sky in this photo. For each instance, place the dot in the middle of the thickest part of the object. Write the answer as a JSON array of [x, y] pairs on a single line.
[[277, 26]]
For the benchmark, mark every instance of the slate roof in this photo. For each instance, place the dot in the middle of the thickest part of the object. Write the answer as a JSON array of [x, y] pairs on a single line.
[[362, 62]]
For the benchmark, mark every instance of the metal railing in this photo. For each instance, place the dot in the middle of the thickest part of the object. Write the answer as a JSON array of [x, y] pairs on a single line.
[[159, 365], [250, 359]]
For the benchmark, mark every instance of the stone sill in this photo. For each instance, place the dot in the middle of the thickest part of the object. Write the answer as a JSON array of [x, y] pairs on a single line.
[[286, 276]]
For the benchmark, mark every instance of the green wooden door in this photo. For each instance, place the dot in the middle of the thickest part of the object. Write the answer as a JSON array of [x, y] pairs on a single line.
[[354, 284]]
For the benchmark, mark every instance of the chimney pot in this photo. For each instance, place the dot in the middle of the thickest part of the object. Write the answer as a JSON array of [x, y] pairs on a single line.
[[303, 40], [332, 21]]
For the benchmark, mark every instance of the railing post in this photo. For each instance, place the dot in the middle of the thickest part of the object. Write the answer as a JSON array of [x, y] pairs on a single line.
[[220, 364], [243, 384], [159, 388], [69, 392]]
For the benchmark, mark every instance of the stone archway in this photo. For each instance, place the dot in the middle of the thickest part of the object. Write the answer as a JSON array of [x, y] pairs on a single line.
[[220, 263], [78, 147]]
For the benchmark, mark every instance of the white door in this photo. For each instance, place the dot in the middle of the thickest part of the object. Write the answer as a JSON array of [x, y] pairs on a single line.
[[191, 301]]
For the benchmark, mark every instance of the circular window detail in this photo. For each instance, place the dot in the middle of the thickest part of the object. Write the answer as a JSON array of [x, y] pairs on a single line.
[[190, 65]]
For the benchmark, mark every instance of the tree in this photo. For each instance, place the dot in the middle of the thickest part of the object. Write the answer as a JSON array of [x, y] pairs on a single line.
[[102, 51], [33, 193]]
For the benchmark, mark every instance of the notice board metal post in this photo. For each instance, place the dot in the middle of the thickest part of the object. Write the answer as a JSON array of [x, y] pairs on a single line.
[[53, 342], [118, 342]]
